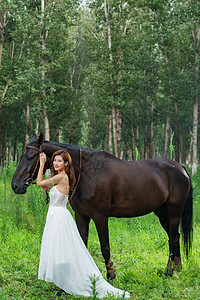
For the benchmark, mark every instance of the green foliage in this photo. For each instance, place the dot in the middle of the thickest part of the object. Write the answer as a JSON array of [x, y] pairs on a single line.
[[137, 155], [152, 55], [93, 281], [171, 147]]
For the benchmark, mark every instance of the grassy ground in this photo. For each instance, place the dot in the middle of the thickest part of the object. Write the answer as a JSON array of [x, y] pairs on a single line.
[[139, 250]]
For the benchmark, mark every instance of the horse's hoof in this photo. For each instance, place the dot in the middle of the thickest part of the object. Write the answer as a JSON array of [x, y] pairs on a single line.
[[170, 268], [111, 274], [177, 263], [173, 265]]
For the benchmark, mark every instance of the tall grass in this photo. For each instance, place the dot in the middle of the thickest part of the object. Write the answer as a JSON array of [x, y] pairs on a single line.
[[139, 250], [20, 211]]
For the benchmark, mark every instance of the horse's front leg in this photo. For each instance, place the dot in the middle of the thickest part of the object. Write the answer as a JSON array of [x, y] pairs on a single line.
[[101, 223], [83, 226]]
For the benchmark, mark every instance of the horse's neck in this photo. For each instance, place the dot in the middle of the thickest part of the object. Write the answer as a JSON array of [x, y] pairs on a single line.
[[50, 147]]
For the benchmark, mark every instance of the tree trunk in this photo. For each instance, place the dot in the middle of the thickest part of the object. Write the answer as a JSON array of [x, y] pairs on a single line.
[[175, 104], [9, 150], [167, 133], [114, 119], [152, 130], [116, 115], [15, 151], [110, 136], [145, 140], [137, 137], [177, 150], [133, 141], [125, 154], [3, 146], [1, 45], [195, 128], [37, 127], [172, 95], [195, 113], [2, 99], [46, 123], [180, 131], [190, 151], [44, 63], [56, 130], [119, 131], [103, 139], [27, 113], [3, 24]]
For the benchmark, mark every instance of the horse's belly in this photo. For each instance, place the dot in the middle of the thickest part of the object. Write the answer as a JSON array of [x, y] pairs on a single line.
[[127, 213], [129, 207]]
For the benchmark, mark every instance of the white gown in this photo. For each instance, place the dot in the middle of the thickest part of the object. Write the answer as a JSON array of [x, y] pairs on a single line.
[[64, 259]]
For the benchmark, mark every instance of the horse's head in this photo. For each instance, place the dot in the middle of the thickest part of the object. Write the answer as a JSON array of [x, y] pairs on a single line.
[[27, 169]]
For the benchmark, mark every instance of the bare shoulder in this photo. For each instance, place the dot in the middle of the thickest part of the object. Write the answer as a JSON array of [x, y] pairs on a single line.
[[65, 178], [59, 179], [63, 184]]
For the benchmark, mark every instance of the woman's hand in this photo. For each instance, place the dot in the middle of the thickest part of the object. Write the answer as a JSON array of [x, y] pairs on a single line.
[[43, 159]]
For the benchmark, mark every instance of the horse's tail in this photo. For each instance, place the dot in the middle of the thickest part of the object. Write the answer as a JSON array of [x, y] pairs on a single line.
[[187, 219]]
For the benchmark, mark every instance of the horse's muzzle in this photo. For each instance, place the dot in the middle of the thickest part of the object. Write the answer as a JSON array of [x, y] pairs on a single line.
[[21, 188], [18, 190]]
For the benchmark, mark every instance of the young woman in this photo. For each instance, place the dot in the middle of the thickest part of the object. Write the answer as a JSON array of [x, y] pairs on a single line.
[[64, 259]]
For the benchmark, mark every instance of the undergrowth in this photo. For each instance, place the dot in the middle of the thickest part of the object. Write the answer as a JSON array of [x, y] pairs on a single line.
[[139, 250]]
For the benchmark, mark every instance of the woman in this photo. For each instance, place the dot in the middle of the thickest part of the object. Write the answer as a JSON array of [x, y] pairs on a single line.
[[64, 259]]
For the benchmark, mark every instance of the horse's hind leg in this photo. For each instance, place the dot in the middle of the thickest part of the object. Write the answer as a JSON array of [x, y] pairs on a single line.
[[174, 236], [170, 225], [83, 226]]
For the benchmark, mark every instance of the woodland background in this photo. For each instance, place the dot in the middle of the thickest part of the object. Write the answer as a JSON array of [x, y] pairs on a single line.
[[117, 75]]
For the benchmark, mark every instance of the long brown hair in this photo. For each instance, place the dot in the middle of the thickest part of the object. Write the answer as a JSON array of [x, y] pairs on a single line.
[[69, 170]]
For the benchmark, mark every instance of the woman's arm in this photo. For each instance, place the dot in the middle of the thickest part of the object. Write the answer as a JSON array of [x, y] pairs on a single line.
[[41, 168], [53, 180]]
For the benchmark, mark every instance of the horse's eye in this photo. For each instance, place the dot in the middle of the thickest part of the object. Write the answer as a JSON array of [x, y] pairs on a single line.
[[29, 158]]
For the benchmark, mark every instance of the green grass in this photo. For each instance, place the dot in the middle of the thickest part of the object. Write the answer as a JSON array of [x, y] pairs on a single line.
[[139, 250]]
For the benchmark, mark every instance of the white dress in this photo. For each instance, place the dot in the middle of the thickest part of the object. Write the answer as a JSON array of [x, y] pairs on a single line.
[[64, 258]]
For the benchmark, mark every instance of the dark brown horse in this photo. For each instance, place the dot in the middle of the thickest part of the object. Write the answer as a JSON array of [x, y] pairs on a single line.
[[109, 187]]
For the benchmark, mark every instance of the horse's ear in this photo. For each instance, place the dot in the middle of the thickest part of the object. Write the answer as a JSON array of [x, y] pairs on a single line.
[[41, 139], [34, 138]]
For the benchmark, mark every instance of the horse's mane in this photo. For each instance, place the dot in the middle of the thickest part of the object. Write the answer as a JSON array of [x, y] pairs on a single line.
[[74, 147]]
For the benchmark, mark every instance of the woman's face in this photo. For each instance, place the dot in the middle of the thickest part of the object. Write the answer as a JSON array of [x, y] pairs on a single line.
[[58, 163]]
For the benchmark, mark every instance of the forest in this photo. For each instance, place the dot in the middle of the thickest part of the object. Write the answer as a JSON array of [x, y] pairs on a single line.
[[117, 75]]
